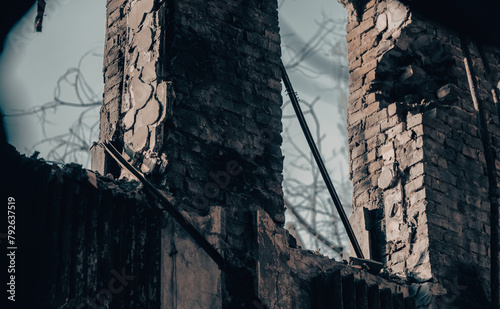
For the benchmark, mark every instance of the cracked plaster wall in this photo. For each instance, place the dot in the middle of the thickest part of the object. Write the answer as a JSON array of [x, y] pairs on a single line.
[[147, 98]]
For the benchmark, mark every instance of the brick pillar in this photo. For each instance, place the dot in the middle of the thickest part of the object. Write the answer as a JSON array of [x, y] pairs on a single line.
[[424, 191], [193, 99]]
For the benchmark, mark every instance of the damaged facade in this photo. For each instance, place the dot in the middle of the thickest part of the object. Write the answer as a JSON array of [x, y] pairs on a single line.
[[193, 100], [422, 150], [212, 143]]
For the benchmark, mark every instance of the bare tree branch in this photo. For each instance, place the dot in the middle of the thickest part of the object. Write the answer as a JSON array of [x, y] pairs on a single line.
[[311, 230]]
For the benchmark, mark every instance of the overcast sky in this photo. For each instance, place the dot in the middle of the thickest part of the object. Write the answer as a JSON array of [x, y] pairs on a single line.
[[32, 63]]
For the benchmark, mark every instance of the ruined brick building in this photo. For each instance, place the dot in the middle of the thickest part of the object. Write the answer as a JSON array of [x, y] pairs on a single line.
[[193, 99], [424, 142]]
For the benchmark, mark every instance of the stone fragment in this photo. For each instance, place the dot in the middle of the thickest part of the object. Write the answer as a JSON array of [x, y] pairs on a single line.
[[388, 153], [126, 104], [396, 14], [387, 177], [156, 138], [393, 231], [403, 42], [413, 75], [143, 39], [133, 54], [145, 168], [381, 22], [392, 203], [143, 58], [383, 47], [140, 92], [148, 73], [127, 149], [161, 94], [139, 138], [422, 272], [149, 114], [359, 222], [129, 119], [392, 109], [448, 90], [148, 164], [98, 158], [136, 15]]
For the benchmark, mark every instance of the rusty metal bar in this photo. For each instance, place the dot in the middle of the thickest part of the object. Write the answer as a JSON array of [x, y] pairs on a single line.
[[319, 162]]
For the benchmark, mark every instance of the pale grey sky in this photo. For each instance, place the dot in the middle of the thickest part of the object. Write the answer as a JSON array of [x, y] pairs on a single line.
[[32, 63]]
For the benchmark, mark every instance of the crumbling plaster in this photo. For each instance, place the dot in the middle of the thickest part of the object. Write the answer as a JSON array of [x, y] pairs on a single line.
[[421, 200]]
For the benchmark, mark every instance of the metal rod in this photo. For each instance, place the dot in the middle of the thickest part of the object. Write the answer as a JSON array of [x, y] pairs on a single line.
[[319, 162], [192, 231]]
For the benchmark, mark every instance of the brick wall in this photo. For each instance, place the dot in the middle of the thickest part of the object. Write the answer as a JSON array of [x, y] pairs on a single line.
[[88, 241], [113, 73], [423, 189], [193, 99]]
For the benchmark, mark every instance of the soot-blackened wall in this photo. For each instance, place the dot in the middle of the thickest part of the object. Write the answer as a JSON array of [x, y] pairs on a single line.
[[422, 152]]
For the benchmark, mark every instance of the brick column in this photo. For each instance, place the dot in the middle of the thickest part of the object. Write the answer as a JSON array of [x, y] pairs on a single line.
[[422, 192], [193, 99]]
